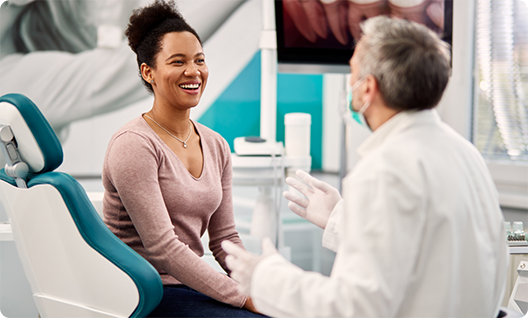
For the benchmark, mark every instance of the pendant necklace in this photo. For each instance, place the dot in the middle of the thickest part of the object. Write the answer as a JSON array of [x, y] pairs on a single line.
[[168, 132]]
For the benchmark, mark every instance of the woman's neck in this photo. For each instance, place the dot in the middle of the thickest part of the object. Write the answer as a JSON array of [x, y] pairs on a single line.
[[176, 121]]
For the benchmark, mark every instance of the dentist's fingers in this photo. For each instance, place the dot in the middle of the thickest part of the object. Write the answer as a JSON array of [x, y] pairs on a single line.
[[336, 15], [231, 262], [296, 12], [301, 201], [316, 15], [268, 247], [299, 186], [297, 210], [313, 182], [305, 177], [232, 249]]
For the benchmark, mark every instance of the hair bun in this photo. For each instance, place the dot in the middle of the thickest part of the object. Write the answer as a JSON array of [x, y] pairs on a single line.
[[144, 20]]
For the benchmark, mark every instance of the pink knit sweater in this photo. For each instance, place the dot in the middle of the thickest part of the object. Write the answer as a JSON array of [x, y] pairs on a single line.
[[153, 204]]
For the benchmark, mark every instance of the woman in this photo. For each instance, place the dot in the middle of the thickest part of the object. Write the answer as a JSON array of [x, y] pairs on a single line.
[[167, 179]]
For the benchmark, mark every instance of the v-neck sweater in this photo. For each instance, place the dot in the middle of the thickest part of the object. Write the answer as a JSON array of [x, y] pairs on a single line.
[[159, 209]]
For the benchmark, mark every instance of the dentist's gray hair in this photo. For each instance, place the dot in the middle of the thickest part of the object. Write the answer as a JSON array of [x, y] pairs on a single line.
[[410, 62]]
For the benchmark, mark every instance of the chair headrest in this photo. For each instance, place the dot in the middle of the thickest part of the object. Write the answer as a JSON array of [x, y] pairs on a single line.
[[37, 143]]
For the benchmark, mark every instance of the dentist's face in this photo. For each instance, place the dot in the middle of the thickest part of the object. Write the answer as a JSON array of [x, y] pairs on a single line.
[[181, 73]]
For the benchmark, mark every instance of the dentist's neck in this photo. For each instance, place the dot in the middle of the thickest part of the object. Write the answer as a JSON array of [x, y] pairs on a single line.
[[378, 113]]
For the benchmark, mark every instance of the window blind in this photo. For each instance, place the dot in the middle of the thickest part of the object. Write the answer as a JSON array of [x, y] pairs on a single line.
[[500, 112]]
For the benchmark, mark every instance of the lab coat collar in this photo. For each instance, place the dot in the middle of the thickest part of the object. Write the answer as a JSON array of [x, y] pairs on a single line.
[[397, 123]]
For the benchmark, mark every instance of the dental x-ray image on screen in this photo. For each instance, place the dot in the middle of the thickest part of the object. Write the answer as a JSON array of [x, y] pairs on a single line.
[[324, 32]]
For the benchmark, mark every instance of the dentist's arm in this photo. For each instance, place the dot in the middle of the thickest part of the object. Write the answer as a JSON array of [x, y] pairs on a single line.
[[241, 263]]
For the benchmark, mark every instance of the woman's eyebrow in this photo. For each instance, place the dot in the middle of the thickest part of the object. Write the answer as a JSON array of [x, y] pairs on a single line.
[[183, 55], [175, 55]]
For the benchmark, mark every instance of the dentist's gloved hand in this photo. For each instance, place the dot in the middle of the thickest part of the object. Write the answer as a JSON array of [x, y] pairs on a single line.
[[242, 263], [321, 198]]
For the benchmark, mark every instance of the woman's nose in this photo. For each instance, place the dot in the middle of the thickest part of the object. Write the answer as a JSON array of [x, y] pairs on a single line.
[[192, 71]]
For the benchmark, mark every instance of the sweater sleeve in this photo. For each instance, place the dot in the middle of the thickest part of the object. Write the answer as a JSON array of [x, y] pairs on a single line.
[[222, 222], [132, 165]]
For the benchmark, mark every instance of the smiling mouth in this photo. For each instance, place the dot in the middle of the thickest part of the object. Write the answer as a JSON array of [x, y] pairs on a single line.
[[190, 87]]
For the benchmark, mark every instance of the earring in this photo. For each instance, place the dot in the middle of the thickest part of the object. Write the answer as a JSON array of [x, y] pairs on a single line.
[[152, 81]]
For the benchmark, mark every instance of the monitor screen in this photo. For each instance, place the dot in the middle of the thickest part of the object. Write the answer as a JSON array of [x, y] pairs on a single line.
[[319, 36]]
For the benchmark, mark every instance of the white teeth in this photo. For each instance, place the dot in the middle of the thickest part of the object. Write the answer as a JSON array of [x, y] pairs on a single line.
[[190, 86]]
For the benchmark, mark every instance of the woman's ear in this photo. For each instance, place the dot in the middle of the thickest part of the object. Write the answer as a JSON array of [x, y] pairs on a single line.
[[146, 73]]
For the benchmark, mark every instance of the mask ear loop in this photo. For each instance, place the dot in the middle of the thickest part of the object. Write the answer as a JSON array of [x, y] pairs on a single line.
[[364, 108], [351, 92]]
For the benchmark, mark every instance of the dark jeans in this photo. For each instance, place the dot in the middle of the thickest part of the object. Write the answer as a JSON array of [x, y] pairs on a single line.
[[182, 301]]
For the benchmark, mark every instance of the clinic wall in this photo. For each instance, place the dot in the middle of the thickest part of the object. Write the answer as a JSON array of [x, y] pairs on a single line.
[[236, 112]]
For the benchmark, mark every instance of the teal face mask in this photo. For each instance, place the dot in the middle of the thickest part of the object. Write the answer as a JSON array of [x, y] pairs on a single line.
[[357, 116]]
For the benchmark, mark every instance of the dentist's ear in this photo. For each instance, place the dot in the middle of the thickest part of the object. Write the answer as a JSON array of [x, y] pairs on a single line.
[[370, 89]]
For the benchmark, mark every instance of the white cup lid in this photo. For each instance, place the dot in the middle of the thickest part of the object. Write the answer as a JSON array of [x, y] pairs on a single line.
[[297, 119]]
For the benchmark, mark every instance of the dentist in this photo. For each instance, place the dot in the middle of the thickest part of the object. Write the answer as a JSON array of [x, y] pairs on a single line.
[[418, 232]]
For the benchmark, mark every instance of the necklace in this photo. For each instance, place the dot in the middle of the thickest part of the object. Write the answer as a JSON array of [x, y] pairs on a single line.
[[168, 132]]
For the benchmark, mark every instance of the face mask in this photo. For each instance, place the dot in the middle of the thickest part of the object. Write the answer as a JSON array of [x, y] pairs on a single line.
[[359, 116]]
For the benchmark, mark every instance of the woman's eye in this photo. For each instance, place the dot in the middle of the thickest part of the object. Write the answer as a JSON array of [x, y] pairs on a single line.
[[200, 61], [177, 62]]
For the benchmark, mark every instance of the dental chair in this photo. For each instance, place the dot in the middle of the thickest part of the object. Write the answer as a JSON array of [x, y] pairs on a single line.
[[75, 265]]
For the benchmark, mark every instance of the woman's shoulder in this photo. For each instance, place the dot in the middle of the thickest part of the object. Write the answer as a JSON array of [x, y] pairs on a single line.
[[136, 127], [134, 134]]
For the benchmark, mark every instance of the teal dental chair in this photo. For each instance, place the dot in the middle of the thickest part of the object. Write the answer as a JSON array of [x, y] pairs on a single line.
[[75, 266]]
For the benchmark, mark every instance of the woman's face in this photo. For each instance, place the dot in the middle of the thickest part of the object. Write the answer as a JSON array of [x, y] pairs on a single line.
[[181, 74]]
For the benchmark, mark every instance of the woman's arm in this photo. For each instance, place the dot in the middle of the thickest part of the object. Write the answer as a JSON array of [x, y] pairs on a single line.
[[222, 223]]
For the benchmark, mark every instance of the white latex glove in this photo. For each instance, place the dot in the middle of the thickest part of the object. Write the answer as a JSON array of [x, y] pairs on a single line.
[[242, 263], [321, 198]]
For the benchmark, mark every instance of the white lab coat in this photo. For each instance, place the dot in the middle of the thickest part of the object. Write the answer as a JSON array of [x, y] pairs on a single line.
[[419, 234]]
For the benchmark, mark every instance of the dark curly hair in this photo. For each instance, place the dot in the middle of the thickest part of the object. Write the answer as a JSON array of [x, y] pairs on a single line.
[[146, 28]]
